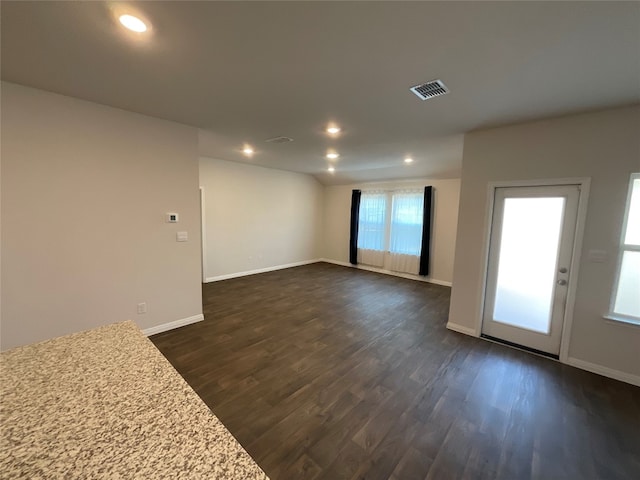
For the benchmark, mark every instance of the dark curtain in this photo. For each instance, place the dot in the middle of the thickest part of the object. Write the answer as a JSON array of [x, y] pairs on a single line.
[[426, 232], [355, 215]]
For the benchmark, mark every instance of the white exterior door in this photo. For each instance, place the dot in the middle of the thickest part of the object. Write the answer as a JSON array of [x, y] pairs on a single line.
[[530, 250]]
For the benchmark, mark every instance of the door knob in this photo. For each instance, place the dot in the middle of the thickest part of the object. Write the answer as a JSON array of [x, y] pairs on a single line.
[[563, 270], [562, 282]]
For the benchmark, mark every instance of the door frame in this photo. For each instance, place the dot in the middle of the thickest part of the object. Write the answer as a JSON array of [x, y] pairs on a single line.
[[203, 236], [584, 184]]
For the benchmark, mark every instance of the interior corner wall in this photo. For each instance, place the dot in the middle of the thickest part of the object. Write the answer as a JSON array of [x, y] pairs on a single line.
[[604, 146], [257, 218], [85, 189], [337, 215]]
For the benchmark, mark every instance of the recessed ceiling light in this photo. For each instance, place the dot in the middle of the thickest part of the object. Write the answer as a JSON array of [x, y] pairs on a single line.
[[247, 150], [408, 160], [333, 129], [332, 155], [133, 23], [331, 169]]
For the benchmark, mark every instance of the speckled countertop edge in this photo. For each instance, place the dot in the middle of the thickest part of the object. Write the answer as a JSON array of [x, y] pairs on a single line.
[[105, 403]]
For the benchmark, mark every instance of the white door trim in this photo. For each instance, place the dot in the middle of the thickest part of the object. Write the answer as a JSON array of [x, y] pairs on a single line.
[[584, 183], [203, 234]]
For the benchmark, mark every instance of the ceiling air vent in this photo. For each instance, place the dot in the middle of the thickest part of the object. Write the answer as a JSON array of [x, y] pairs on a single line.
[[279, 140], [431, 89]]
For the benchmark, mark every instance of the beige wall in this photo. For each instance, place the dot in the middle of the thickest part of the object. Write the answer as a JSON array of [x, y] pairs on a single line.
[[258, 218], [84, 192], [604, 146], [337, 213]]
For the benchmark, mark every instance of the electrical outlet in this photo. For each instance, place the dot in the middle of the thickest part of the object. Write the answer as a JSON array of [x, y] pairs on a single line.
[[142, 308]]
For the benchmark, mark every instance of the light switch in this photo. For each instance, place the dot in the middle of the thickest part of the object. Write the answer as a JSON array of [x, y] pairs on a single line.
[[182, 237], [598, 256]]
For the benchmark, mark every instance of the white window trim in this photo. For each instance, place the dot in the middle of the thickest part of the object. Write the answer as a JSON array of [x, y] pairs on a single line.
[[622, 247]]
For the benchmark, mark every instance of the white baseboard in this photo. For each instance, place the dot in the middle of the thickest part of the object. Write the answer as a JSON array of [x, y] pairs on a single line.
[[259, 270], [171, 325], [460, 329], [604, 371], [388, 272]]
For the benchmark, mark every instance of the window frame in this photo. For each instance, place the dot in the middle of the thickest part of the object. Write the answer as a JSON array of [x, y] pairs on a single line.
[[622, 248]]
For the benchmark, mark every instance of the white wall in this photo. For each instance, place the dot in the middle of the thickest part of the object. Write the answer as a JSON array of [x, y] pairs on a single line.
[[258, 218], [84, 193], [603, 145], [337, 215]]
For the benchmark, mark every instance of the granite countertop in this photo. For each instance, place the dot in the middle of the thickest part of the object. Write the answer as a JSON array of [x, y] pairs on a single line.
[[106, 404]]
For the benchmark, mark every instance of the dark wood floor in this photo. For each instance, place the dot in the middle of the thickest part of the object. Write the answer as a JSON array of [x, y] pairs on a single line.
[[333, 373]]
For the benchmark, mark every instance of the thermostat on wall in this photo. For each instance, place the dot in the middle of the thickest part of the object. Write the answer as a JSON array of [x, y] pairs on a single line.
[[172, 218]]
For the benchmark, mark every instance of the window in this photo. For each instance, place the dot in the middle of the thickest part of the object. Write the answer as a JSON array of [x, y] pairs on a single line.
[[625, 303], [372, 221], [397, 231], [406, 223]]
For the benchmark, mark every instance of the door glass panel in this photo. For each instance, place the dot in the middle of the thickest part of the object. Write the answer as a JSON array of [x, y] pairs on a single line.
[[527, 260]]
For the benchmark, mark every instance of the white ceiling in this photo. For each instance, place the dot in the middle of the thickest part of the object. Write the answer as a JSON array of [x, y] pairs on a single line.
[[248, 71]]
